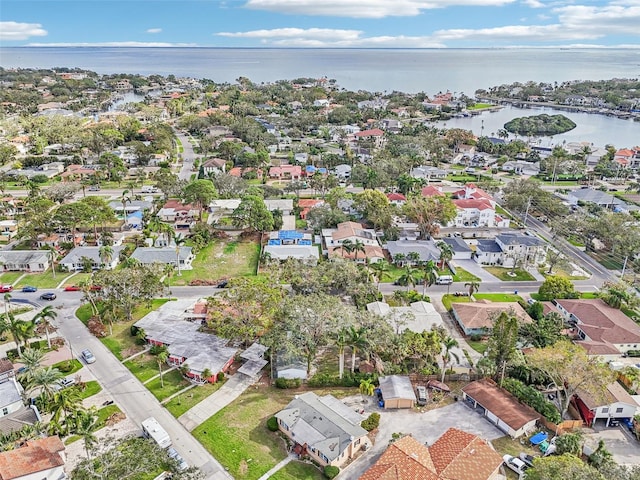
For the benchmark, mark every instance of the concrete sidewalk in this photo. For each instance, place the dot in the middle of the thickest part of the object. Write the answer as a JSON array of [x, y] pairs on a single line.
[[231, 390]]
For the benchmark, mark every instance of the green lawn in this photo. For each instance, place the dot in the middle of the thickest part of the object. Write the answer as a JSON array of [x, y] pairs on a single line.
[[91, 388], [8, 278], [498, 297], [120, 342], [105, 412], [480, 106], [479, 346], [75, 366], [46, 279], [144, 367], [173, 383], [463, 276], [183, 402], [238, 437], [222, 259], [447, 300], [298, 471], [504, 274], [559, 272]]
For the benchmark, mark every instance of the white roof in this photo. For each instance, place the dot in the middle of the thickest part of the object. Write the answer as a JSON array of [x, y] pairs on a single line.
[[417, 317]]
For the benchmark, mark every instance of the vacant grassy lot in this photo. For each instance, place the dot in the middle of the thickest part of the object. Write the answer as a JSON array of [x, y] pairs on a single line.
[[504, 274], [222, 259], [183, 402], [173, 383], [144, 367], [462, 275], [120, 342], [238, 437], [498, 297]]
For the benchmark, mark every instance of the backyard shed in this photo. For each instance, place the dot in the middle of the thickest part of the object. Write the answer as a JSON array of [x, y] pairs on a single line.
[[397, 391]]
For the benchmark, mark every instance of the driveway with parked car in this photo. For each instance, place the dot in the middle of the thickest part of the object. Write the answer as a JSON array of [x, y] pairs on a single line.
[[619, 441]]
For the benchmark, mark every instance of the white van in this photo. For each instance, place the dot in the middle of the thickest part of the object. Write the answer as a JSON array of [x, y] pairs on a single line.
[[149, 189], [444, 280], [153, 430]]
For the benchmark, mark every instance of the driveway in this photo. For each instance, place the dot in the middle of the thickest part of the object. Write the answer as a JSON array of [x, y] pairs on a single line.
[[619, 441], [425, 427], [476, 269]]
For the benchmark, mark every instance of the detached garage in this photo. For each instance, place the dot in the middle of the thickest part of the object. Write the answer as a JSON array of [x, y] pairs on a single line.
[[397, 392], [500, 407]]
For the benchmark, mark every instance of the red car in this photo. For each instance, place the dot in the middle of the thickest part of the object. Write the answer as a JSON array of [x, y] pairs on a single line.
[[6, 288], [72, 288]]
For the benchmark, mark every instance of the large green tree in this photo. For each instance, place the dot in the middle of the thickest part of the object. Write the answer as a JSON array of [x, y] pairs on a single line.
[[252, 213], [201, 193], [429, 213]]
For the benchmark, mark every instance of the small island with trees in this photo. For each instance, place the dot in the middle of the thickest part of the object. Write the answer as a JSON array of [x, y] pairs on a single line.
[[540, 125]]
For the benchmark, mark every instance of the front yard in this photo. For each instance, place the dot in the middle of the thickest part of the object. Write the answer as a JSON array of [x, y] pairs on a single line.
[[144, 367], [498, 297], [173, 383], [505, 275], [238, 436], [222, 259], [183, 402], [47, 280]]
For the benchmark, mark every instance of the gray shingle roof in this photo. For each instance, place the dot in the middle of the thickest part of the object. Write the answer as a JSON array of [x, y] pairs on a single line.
[[457, 244], [148, 255], [75, 255], [516, 239], [24, 256], [425, 248], [396, 386], [488, 246]]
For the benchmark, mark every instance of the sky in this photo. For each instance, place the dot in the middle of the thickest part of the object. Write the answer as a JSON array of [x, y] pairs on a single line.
[[322, 23]]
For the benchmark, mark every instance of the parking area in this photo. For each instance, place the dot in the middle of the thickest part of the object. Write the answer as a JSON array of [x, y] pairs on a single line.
[[619, 441], [425, 427]]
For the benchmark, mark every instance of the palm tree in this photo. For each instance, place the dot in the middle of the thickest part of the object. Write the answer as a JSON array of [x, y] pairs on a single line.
[[367, 388], [345, 246], [409, 277], [357, 339], [473, 287], [63, 403], [31, 359], [413, 258], [14, 325], [178, 240], [46, 315], [430, 275], [46, 379], [447, 344], [358, 246], [86, 426], [341, 341], [399, 259], [124, 199], [168, 270], [380, 270], [446, 252], [106, 254], [161, 358]]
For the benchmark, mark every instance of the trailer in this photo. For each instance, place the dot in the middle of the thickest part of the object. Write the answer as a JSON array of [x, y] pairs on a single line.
[[152, 429]]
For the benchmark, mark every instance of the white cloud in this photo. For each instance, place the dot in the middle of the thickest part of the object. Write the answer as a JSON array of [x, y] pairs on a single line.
[[534, 3], [154, 30], [21, 31], [309, 33], [114, 44], [363, 8], [546, 33], [605, 20]]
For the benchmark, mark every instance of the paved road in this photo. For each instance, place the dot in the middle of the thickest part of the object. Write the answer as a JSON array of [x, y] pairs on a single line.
[[188, 156], [130, 395]]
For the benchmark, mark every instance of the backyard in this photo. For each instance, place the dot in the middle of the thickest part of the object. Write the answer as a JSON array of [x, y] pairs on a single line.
[[220, 260], [240, 440]]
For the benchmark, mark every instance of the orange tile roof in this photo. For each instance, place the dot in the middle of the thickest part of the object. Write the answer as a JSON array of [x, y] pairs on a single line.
[[36, 456]]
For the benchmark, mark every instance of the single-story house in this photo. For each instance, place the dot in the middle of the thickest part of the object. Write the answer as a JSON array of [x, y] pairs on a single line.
[[417, 317], [461, 250], [10, 396], [342, 171], [176, 211], [24, 260], [521, 167], [73, 261], [615, 402], [41, 459], [292, 172], [130, 206], [309, 254], [500, 407], [164, 256], [306, 204], [324, 428], [397, 391], [600, 324], [428, 172], [8, 230], [170, 326], [426, 250], [476, 318], [602, 199], [285, 205], [456, 455]]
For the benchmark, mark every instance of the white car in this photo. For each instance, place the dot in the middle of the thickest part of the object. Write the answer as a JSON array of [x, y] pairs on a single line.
[[88, 356], [515, 464], [182, 465]]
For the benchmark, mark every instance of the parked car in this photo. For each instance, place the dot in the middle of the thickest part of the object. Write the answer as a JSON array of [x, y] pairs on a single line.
[[29, 289], [514, 464], [6, 288], [72, 288], [87, 356], [222, 284], [422, 395], [527, 459], [182, 465], [48, 296], [64, 383], [627, 422]]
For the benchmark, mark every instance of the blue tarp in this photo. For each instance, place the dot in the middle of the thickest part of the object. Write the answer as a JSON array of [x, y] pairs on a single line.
[[538, 438], [273, 242], [289, 235]]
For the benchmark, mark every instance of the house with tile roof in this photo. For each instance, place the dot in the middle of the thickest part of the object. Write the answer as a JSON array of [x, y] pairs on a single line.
[[306, 204], [476, 318], [213, 166], [456, 455], [323, 428], [375, 135], [174, 211], [479, 212], [600, 326], [500, 407], [431, 191], [286, 172], [615, 402], [41, 459], [352, 232], [397, 198]]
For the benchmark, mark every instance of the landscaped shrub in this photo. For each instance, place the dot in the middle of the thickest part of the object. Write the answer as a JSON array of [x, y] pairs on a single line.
[[348, 379], [331, 472], [532, 397], [156, 349], [272, 424], [220, 377], [371, 422], [476, 337], [288, 382], [65, 367], [633, 353]]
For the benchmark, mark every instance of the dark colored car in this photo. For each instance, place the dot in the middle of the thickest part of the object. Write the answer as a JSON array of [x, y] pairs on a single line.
[[222, 284], [627, 422], [48, 296], [29, 289]]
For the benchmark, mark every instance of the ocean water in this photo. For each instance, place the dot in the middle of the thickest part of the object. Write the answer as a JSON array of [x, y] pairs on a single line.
[[379, 70]]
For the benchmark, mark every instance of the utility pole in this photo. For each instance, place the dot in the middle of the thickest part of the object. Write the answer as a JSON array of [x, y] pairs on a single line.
[[526, 212], [624, 266]]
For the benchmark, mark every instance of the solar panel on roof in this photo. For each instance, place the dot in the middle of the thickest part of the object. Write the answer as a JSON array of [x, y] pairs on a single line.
[[273, 242], [289, 234], [304, 242]]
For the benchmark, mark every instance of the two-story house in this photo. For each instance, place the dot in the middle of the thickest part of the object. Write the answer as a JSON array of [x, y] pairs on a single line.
[[338, 242], [477, 213]]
